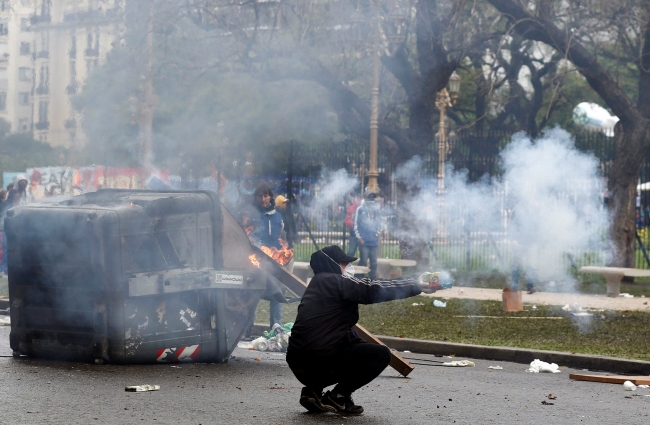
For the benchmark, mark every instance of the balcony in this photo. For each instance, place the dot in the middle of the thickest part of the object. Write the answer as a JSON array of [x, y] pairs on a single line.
[[42, 125], [40, 19], [91, 15], [42, 90]]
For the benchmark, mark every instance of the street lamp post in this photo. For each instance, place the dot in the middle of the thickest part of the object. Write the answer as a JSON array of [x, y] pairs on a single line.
[[444, 101], [383, 42]]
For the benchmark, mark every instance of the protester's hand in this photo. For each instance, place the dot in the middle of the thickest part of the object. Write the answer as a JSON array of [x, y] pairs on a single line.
[[428, 280], [361, 241]]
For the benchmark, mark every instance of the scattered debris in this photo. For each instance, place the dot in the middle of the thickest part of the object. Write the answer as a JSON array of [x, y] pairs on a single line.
[[459, 363], [5, 321], [417, 304], [546, 403], [437, 303], [643, 386], [534, 307], [629, 386], [275, 340], [582, 314], [406, 351], [538, 366], [142, 388], [552, 397], [495, 367], [625, 295], [259, 359]]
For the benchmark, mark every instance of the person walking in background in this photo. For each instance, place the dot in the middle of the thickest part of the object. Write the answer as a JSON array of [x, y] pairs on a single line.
[[267, 230], [367, 225], [284, 207], [20, 184], [353, 203]]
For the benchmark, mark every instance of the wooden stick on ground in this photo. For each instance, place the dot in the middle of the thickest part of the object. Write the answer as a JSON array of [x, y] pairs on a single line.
[[297, 286], [611, 379]]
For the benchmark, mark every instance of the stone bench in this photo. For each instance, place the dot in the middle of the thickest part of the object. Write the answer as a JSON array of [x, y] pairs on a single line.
[[614, 275]]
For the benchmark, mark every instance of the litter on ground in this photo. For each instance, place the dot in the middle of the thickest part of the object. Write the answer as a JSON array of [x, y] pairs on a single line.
[[538, 366], [141, 388], [629, 386], [437, 303], [459, 363], [495, 367]]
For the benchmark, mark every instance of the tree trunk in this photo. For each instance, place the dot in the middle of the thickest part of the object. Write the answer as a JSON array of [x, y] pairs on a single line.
[[621, 184]]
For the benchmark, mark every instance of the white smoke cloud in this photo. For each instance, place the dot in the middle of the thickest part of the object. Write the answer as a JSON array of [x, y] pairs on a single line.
[[547, 203]]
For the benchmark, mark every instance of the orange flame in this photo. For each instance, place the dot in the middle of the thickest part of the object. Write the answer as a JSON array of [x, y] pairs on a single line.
[[254, 260], [249, 230], [280, 256]]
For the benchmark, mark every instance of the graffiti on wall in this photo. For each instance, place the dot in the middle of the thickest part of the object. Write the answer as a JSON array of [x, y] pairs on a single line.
[[57, 181]]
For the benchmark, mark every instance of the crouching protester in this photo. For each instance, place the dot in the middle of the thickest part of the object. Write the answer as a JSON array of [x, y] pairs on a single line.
[[323, 349]]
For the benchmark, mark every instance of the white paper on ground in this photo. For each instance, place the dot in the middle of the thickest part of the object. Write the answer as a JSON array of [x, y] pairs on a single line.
[[459, 363], [495, 367], [538, 366]]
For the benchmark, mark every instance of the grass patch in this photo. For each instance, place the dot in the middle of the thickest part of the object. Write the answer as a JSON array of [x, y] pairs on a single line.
[[623, 334]]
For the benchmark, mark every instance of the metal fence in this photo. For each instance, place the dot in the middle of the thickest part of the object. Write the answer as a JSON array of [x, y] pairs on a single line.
[[296, 166]]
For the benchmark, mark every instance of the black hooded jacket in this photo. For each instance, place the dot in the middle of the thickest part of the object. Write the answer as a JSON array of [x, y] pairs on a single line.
[[330, 305]]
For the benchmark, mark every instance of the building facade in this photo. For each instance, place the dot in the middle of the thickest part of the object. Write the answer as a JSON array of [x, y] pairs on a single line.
[[47, 50]]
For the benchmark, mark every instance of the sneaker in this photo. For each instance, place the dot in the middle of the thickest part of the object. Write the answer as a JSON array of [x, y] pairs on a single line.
[[343, 405], [311, 401], [532, 290]]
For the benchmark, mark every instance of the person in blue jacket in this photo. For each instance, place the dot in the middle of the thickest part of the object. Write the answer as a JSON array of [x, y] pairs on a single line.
[[267, 231], [367, 225]]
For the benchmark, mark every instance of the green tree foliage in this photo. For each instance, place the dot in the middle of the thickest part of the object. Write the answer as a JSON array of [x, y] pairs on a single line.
[[21, 151]]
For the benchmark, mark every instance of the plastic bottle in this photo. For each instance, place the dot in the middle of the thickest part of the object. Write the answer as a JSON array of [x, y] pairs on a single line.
[[260, 344]]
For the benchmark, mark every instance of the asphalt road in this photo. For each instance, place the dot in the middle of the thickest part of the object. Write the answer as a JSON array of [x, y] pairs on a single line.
[[249, 391]]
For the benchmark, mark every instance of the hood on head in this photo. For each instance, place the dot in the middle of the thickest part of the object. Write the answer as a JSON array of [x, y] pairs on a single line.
[[20, 177]]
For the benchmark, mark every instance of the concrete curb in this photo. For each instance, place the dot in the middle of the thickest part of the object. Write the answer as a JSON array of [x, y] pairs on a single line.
[[509, 354], [519, 355]]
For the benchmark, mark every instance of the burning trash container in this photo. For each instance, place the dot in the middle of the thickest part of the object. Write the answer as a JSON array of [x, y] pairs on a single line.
[[128, 276]]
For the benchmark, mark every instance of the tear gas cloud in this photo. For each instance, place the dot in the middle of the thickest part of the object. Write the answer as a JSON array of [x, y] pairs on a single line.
[[547, 203]]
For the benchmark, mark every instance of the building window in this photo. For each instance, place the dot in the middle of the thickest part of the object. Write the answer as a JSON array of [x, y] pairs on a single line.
[[44, 81], [23, 98], [25, 23], [5, 6], [3, 100], [24, 74], [42, 123], [4, 27], [23, 124], [25, 48]]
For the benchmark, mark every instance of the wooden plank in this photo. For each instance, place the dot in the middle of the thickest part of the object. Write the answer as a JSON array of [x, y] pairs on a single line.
[[611, 379], [297, 286]]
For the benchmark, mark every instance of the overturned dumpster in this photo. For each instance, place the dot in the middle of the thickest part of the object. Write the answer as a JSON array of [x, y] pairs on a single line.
[[127, 276]]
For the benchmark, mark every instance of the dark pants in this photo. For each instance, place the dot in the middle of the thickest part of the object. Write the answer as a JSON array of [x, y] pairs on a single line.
[[349, 368], [369, 253]]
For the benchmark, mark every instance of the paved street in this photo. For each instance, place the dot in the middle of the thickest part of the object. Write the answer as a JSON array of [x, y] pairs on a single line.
[[248, 391]]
